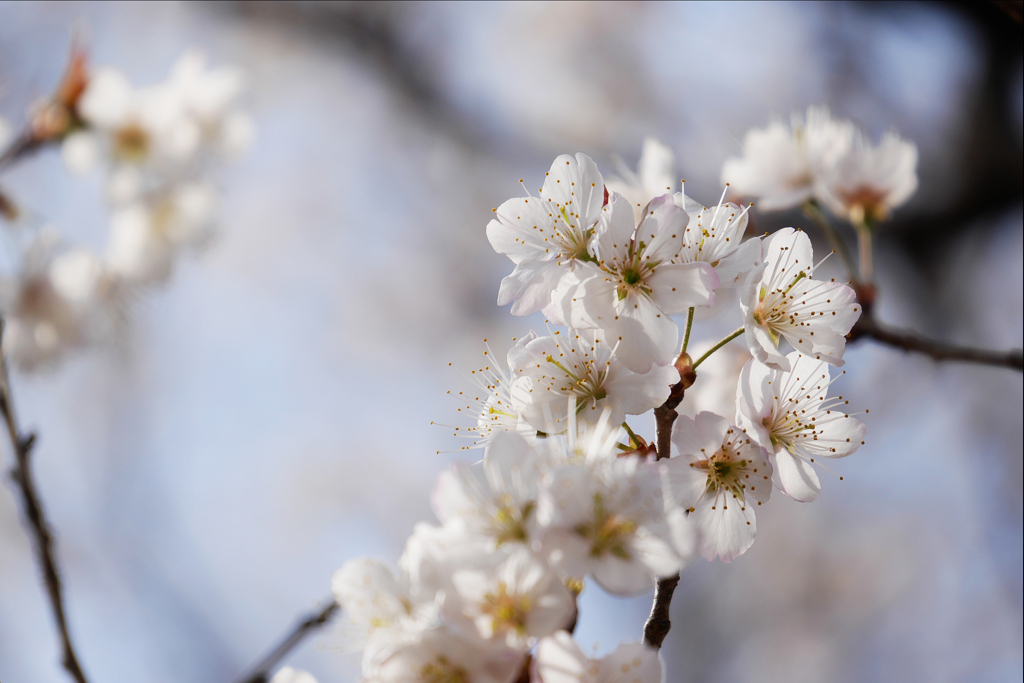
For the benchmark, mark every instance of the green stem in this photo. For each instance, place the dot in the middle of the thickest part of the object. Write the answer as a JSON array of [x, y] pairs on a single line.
[[689, 326], [815, 215], [718, 346]]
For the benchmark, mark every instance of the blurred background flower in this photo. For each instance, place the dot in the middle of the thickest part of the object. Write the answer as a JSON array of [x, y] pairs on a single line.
[[265, 416]]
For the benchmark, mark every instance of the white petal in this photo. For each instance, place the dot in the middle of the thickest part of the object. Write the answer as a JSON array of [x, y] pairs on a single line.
[[795, 476]]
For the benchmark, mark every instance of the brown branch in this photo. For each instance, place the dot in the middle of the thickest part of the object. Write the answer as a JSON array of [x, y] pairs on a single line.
[[665, 415], [867, 326], [658, 624], [260, 673], [32, 508]]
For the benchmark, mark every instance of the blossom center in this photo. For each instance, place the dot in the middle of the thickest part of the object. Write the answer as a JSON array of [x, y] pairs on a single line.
[[131, 143], [441, 670], [507, 611], [607, 533], [510, 522]]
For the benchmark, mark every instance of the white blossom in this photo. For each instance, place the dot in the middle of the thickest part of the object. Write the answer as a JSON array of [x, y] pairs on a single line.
[[560, 660], [789, 415], [146, 236], [498, 500], [548, 236], [581, 364], [517, 601], [719, 477], [287, 674], [781, 300], [607, 519], [635, 286], [379, 607], [57, 301], [781, 164], [489, 404], [440, 655], [868, 181], [715, 236], [655, 176]]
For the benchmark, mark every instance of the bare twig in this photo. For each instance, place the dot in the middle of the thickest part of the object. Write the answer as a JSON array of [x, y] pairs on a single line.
[[658, 624], [867, 326], [665, 415], [260, 673], [32, 508]]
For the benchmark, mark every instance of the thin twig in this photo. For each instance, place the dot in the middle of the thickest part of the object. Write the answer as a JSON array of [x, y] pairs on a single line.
[[867, 326], [717, 346], [21, 474], [665, 415], [260, 673]]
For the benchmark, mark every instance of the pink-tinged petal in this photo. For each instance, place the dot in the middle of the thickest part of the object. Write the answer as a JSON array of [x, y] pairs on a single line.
[[734, 268], [629, 663], [585, 297], [575, 183], [684, 484], [560, 660], [836, 439], [645, 334], [727, 524], [639, 393], [522, 229], [678, 286], [661, 230], [614, 229], [629, 577], [762, 347], [530, 286], [795, 476]]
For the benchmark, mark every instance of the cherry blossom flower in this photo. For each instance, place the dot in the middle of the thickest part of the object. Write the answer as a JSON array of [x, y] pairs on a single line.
[[868, 181], [560, 660], [380, 608], [57, 301], [498, 500], [719, 477], [607, 519], [440, 655], [715, 236], [781, 300], [635, 286], [781, 164], [517, 601], [491, 406], [550, 235], [287, 674], [581, 364], [655, 175], [789, 415], [146, 236]]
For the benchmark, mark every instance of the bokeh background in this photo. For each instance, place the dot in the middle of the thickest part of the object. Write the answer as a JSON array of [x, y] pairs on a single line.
[[266, 416]]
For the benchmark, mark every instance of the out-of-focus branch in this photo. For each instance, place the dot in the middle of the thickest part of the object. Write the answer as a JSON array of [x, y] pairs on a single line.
[[260, 673], [32, 508], [867, 326]]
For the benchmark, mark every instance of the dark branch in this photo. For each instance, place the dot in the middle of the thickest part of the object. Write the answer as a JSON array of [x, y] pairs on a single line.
[[665, 415], [32, 507], [867, 326], [261, 672], [658, 624]]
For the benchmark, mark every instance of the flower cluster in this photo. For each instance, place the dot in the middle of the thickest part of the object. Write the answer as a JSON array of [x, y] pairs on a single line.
[[158, 148], [567, 492], [831, 161]]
